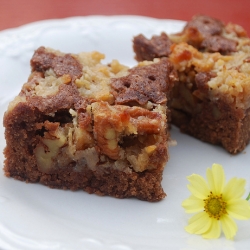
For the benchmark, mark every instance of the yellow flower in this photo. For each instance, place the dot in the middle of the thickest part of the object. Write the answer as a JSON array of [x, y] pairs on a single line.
[[215, 204]]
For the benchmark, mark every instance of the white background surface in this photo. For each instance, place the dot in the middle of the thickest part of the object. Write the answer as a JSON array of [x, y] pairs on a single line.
[[33, 216]]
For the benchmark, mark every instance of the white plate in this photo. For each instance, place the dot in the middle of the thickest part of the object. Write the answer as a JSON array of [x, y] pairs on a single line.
[[33, 216]]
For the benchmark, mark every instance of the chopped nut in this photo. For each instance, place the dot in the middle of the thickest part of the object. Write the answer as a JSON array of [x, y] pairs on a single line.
[[47, 150], [97, 56], [82, 139], [66, 79], [82, 83], [150, 149], [105, 71], [112, 144], [116, 67], [110, 134], [139, 162]]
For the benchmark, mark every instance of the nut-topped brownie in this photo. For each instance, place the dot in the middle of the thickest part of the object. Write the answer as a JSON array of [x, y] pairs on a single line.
[[211, 100], [80, 124]]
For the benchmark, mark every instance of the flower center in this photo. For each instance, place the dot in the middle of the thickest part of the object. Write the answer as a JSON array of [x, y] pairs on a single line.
[[215, 206]]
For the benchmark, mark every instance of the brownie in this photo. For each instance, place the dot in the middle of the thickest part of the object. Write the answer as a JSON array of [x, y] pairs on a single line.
[[211, 100], [80, 124]]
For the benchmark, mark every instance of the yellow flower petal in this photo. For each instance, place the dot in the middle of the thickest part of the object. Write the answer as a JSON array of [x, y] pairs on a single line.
[[214, 230], [216, 179], [193, 204], [199, 223], [220, 202], [239, 209], [198, 186], [234, 189], [229, 227]]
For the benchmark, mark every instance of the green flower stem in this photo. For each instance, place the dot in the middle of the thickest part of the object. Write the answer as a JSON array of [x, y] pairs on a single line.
[[248, 197]]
